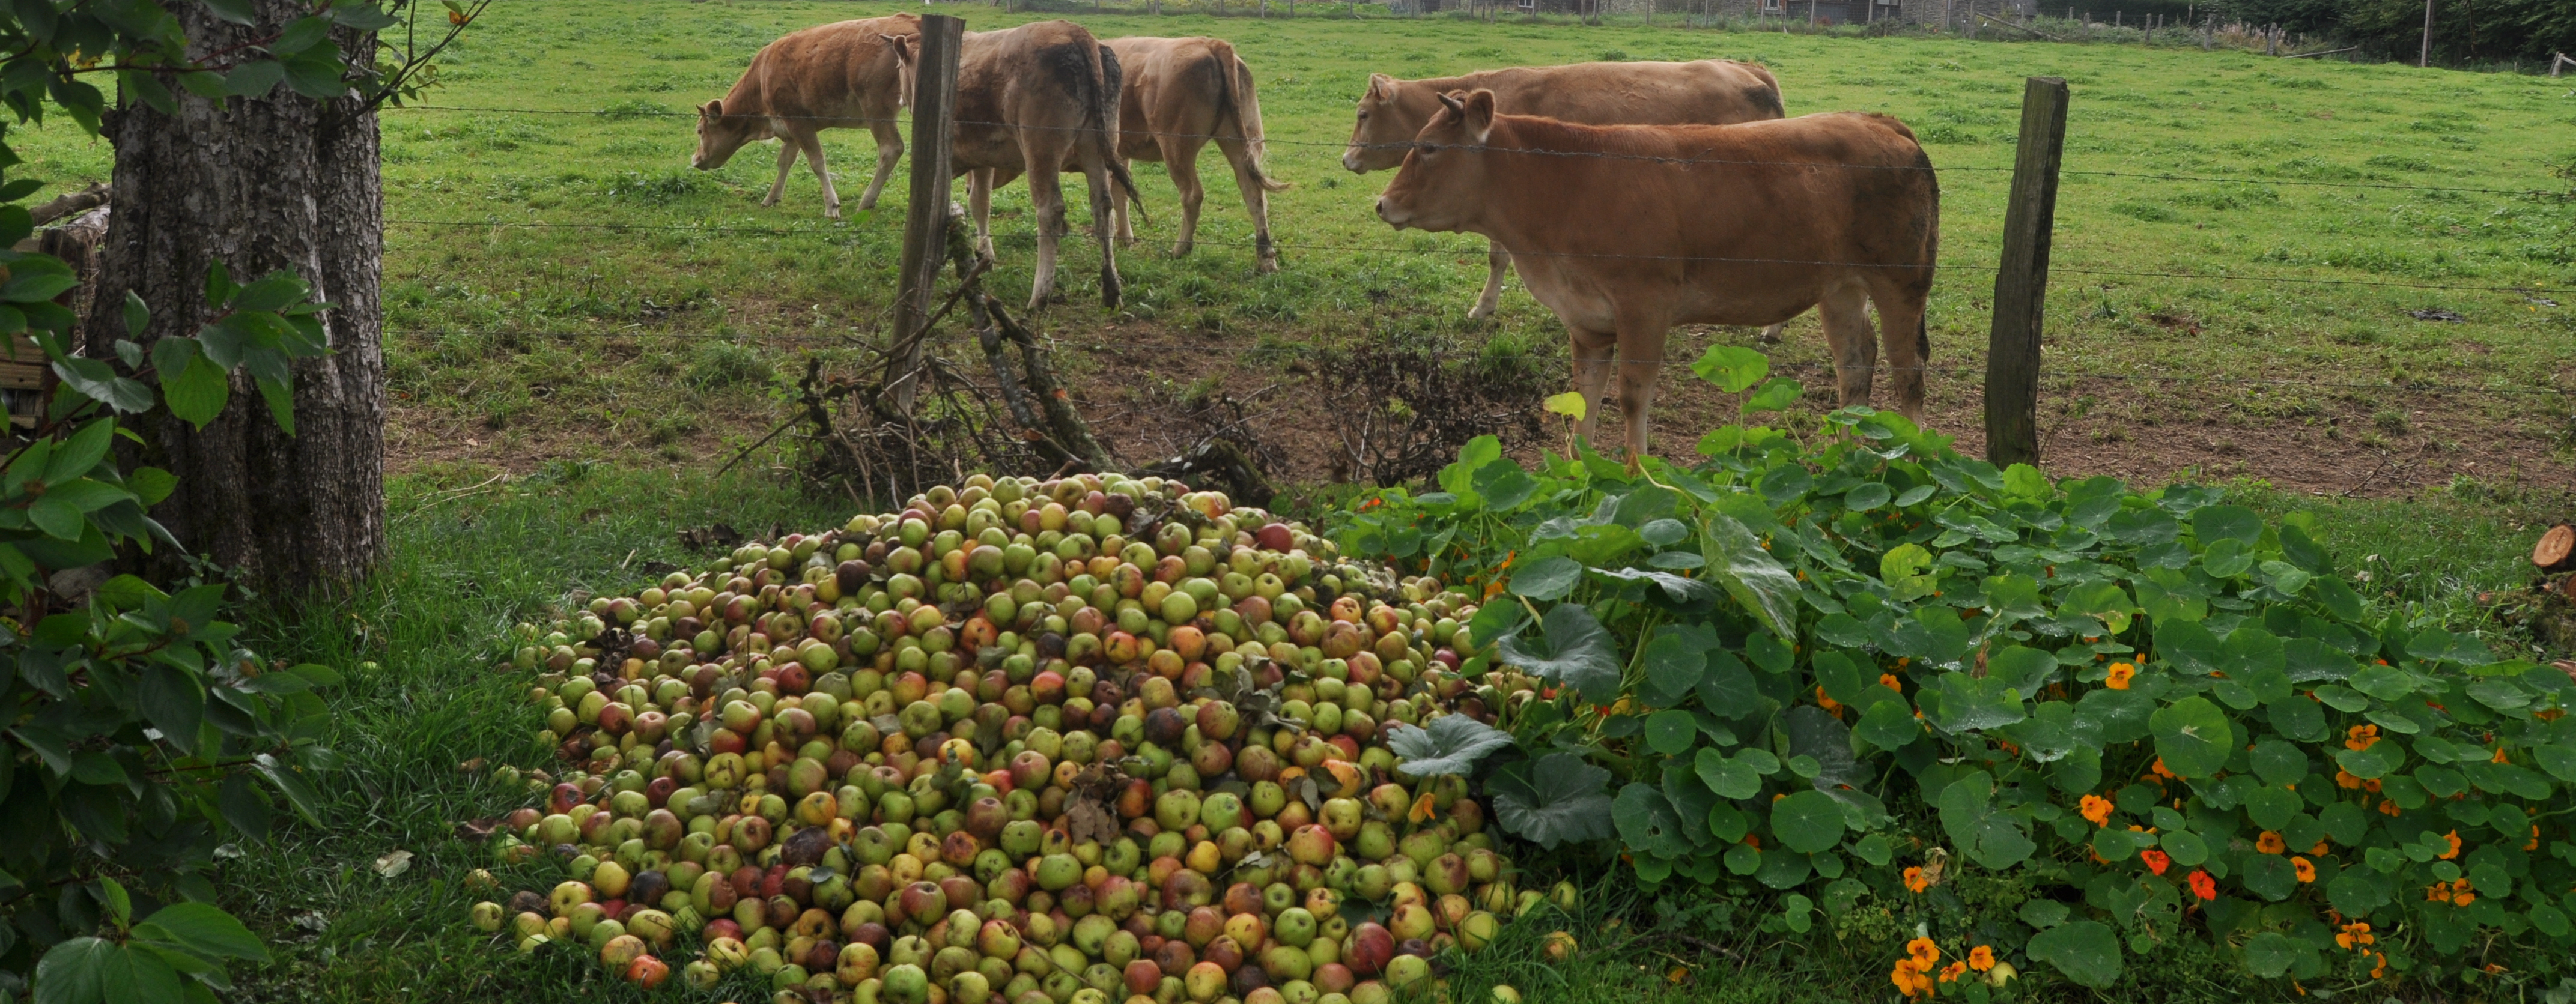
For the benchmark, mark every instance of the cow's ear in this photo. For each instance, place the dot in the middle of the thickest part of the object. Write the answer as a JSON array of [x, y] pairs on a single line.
[[1478, 114], [712, 109], [1381, 87]]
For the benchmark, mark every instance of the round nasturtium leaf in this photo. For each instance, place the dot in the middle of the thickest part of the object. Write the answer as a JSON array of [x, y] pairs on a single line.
[[2193, 736], [1808, 822]]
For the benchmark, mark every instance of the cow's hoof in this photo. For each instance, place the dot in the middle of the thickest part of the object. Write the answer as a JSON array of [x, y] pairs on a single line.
[[1182, 249], [1480, 312], [1265, 266], [833, 214]]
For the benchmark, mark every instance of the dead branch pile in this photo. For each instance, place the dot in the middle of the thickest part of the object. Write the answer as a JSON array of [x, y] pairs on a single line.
[[1402, 412], [1005, 413]]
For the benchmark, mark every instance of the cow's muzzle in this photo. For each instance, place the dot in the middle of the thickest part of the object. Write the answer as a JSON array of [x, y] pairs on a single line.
[[1391, 213]]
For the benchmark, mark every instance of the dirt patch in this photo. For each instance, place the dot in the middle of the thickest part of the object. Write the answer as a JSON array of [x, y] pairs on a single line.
[[1144, 387]]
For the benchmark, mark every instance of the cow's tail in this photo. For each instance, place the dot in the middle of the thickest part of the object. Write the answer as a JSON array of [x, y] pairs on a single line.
[[1100, 115], [1236, 95], [1767, 96]]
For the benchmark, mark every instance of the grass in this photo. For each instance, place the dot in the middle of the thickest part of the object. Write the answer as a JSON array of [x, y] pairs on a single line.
[[469, 559], [517, 344]]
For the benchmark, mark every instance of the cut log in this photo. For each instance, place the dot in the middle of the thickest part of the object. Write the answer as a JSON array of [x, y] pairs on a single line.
[[2567, 588], [2555, 549]]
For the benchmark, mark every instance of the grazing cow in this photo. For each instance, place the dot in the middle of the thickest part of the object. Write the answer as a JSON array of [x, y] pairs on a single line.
[[1179, 94], [1033, 100], [834, 76], [1707, 92], [1625, 231]]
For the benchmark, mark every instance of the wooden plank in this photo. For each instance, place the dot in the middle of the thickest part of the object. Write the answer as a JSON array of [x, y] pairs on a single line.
[[2021, 284], [925, 223]]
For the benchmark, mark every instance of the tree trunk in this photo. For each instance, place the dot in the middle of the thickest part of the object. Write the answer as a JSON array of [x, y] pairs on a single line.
[[260, 184]]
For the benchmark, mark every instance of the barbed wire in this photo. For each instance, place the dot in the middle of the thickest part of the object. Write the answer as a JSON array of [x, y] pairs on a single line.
[[1386, 249], [665, 113], [857, 340]]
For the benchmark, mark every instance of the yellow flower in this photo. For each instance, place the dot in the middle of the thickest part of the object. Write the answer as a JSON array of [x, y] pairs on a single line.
[[2121, 674]]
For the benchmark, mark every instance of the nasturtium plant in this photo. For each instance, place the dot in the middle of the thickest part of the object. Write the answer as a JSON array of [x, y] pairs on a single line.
[[1847, 663]]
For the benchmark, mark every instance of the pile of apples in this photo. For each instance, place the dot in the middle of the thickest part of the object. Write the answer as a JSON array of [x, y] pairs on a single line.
[[1074, 741]]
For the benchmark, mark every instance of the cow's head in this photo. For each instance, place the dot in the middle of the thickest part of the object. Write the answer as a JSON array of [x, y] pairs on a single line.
[[719, 134], [1384, 129], [907, 68], [1442, 183]]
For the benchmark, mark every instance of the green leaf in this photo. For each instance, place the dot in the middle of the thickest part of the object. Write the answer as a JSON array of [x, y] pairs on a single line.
[[1647, 822], [1809, 822], [150, 484], [59, 518], [2086, 951], [251, 80], [172, 700], [1547, 578], [2270, 876], [1738, 776], [1732, 369], [281, 403], [120, 904], [2043, 913], [1992, 838], [2193, 736], [1776, 395], [1906, 570], [1451, 744], [1569, 404], [197, 390], [2277, 762], [2380, 760], [75, 972], [1577, 651], [1558, 801], [1728, 690], [1888, 725], [1749, 573], [1968, 703], [2272, 953], [235, 11], [2227, 522], [1669, 732], [129, 974], [202, 930], [96, 381], [1677, 659], [362, 16], [2388, 683], [2026, 481]]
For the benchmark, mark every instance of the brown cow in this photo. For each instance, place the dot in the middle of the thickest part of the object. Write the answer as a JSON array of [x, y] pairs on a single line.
[[1031, 100], [1706, 92], [1179, 94], [834, 76], [1625, 231]]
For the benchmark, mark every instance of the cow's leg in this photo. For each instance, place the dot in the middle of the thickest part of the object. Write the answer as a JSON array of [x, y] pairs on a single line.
[[1498, 263], [1771, 335], [1844, 311], [1592, 351], [1256, 202], [1095, 172], [813, 144], [979, 204], [786, 162], [1181, 161], [1908, 342], [1118, 211], [1046, 196], [889, 152], [1641, 357]]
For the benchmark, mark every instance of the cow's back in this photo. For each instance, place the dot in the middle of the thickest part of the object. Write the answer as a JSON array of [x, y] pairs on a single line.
[[832, 71], [1703, 92]]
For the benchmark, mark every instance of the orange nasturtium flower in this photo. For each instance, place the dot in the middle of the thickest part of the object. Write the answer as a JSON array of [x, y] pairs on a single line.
[[2157, 861], [1888, 680], [2306, 869], [2270, 843], [2202, 885], [2096, 809], [1954, 970], [1923, 952], [2121, 674], [2356, 936], [2379, 965], [1914, 881], [2454, 838], [1909, 980], [2360, 737], [1981, 958], [2158, 769]]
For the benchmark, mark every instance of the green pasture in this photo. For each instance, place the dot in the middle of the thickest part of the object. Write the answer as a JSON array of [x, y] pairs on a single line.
[[659, 333]]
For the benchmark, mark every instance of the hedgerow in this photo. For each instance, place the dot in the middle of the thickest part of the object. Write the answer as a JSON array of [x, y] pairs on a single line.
[[2001, 718]]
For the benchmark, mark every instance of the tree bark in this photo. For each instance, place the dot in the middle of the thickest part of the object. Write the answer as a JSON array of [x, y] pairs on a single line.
[[260, 184]]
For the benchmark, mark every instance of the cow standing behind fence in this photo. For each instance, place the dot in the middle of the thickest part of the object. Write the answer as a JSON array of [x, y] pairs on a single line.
[[834, 76], [1179, 95]]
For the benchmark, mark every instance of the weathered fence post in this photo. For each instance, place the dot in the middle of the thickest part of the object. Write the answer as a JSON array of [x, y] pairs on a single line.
[[925, 223], [2021, 284]]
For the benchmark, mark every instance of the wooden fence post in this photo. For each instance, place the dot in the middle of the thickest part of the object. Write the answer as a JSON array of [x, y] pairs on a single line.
[[925, 222], [2021, 284]]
